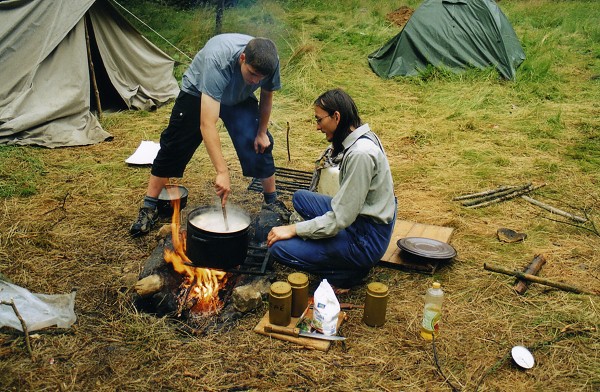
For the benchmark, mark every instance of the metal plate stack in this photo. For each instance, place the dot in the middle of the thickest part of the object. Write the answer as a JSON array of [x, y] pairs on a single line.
[[426, 249]]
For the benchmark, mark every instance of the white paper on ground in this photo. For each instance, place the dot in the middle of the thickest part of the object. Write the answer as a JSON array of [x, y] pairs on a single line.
[[37, 310], [144, 154]]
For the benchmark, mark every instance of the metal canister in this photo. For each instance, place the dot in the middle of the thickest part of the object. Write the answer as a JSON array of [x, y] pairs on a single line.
[[299, 283], [375, 304], [280, 303]]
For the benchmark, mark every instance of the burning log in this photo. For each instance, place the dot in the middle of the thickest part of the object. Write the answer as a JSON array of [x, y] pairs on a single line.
[[533, 268], [537, 279], [149, 285]]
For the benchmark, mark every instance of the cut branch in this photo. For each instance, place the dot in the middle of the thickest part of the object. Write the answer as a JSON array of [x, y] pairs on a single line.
[[483, 193], [507, 197], [537, 279], [287, 138], [533, 268], [498, 195], [554, 210], [11, 303]]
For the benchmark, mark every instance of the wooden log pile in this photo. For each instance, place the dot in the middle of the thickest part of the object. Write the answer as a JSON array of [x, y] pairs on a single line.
[[508, 192]]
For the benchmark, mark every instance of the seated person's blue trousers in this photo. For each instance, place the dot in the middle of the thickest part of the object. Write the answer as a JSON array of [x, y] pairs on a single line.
[[345, 259]]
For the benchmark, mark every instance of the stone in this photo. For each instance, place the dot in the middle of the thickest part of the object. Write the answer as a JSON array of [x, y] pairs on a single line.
[[246, 298]]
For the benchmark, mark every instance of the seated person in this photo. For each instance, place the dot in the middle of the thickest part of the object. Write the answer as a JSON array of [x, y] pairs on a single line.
[[343, 237]]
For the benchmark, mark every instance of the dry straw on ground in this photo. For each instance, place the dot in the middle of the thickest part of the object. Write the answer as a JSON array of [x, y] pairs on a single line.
[[441, 142], [74, 234]]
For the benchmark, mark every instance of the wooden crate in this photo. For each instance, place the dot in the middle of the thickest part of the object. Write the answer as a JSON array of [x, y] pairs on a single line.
[[394, 258]]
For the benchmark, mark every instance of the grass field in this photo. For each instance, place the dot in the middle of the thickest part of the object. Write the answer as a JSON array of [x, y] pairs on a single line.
[[66, 213]]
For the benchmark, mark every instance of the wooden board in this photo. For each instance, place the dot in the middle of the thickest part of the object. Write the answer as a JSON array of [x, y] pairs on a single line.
[[393, 256], [310, 343]]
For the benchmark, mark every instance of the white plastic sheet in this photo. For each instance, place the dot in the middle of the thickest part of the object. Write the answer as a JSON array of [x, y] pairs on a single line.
[[37, 310]]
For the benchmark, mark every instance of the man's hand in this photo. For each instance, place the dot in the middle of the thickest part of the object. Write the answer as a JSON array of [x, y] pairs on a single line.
[[281, 233], [223, 187], [261, 143]]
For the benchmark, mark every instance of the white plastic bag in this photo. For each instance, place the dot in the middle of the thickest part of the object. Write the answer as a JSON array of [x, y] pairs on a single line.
[[326, 309], [37, 310]]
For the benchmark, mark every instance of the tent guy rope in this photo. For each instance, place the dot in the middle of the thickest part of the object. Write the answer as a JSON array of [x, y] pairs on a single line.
[[154, 31]]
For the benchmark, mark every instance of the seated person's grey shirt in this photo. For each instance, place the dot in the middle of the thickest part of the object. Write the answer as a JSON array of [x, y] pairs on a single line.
[[215, 71]]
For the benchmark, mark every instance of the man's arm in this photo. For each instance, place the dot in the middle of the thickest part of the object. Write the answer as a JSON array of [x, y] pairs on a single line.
[[209, 115], [261, 142]]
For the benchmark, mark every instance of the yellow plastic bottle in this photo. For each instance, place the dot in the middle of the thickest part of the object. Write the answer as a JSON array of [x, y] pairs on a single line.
[[432, 312]]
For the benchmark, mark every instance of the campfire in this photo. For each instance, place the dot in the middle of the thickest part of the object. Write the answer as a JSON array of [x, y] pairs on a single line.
[[200, 287], [205, 298]]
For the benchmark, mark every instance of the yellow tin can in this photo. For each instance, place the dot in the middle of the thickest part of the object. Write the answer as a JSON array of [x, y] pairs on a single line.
[[299, 283], [375, 304], [280, 303]]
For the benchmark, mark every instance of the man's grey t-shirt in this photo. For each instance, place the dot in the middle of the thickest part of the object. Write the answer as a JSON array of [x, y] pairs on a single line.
[[216, 72]]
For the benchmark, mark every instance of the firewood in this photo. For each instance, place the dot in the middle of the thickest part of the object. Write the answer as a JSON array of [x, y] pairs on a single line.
[[533, 268], [497, 195], [512, 195], [483, 193], [554, 210], [149, 285], [537, 279]]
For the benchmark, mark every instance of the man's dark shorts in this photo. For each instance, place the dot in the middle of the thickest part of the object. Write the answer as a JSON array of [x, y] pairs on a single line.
[[182, 137]]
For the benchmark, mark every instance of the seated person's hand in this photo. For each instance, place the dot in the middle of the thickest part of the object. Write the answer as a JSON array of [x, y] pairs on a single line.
[[281, 233]]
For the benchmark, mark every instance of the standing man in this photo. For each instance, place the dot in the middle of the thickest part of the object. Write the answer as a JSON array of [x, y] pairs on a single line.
[[220, 83]]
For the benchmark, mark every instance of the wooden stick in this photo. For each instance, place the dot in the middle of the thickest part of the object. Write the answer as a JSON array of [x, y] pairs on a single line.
[[219, 16], [287, 137], [507, 197], [554, 210], [537, 279], [11, 303], [533, 268], [92, 71], [498, 195], [483, 193]]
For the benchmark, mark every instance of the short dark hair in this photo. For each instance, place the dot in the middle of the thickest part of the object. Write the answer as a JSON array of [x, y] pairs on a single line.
[[337, 100], [261, 54]]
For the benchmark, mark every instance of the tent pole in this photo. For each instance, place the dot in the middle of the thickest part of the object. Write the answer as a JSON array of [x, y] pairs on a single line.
[[92, 72], [219, 16]]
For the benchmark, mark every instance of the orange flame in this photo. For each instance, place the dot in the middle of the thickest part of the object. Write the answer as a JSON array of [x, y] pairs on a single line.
[[202, 285]]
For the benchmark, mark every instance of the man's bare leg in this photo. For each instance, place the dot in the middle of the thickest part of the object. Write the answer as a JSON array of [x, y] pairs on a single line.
[[156, 184], [268, 184]]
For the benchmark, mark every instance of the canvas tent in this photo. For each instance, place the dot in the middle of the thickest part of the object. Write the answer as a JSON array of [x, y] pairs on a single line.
[[453, 34], [46, 92]]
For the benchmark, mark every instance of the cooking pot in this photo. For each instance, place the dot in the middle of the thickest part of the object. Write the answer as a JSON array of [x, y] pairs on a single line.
[[168, 194], [210, 245]]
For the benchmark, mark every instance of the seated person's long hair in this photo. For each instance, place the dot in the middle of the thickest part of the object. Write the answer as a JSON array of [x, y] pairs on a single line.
[[337, 100]]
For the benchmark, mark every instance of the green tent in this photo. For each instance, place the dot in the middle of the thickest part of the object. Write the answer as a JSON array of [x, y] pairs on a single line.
[[451, 34]]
